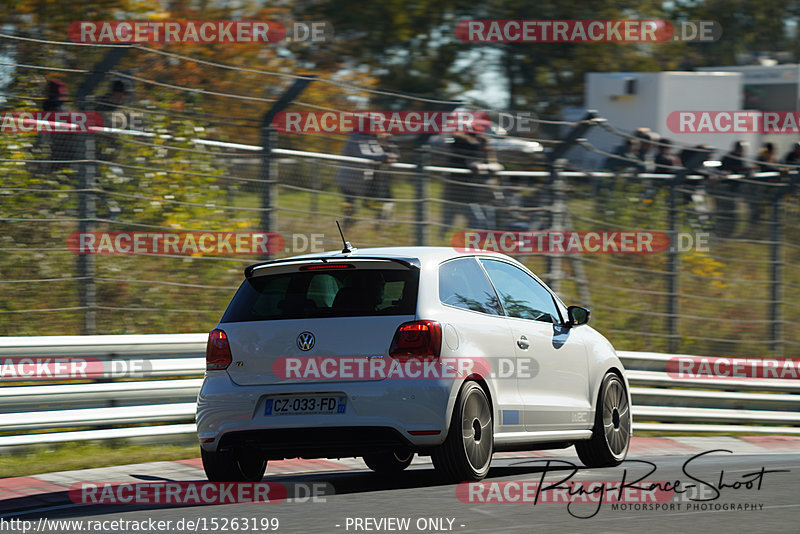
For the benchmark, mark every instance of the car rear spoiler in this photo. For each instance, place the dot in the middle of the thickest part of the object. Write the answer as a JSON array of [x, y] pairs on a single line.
[[411, 263]]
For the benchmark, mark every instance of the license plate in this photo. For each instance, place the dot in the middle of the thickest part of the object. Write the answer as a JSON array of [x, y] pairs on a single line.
[[306, 405]]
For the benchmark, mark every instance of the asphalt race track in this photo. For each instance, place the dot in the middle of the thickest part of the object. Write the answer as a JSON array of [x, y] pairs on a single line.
[[755, 492]]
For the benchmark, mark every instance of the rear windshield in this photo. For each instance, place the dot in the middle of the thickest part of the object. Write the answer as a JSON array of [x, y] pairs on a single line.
[[326, 293]]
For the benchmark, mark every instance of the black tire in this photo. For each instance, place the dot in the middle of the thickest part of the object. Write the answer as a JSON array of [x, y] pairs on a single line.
[[232, 466], [611, 434], [389, 463], [467, 451]]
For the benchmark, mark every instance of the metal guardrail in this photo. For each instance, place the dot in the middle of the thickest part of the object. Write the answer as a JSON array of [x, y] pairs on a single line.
[[164, 387], [153, 345], [38, 397]]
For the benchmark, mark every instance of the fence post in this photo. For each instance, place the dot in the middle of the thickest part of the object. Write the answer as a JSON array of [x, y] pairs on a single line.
[[555, 272], [316, 185], [269, 175], [776, 274], [86, 214], [558, 190], [673, 265], [420, 193], [269, 166], [421, 152], [694, 160], [87, 209]]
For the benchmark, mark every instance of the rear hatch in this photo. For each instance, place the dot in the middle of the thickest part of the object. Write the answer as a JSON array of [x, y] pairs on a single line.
[[336, 312]]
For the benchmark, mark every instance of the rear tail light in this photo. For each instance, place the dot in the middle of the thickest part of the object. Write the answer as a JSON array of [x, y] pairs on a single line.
[[218, 352], [417, 339]]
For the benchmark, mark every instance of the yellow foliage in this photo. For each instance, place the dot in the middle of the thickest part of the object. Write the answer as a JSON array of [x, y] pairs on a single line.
[[701, 264]]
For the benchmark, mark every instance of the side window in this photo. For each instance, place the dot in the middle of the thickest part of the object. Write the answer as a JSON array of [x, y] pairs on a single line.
[[463, 284], [522, 296]]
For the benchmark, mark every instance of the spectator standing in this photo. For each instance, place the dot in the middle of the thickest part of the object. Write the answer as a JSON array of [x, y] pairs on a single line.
[[55, 96], [356, 179], [380, 189], [727, 192], [793, 156], [115, 98], [756, 194], [64, 146], [646, 165], [733, 162], [625, 154], [645, 137], [111, 106], [470, 194], [766, 157], [665, 160]]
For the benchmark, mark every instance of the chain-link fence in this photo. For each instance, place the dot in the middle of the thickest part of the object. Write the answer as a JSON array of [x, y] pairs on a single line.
[[718, 278]]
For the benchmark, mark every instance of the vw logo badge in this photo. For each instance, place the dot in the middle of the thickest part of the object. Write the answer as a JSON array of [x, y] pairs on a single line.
[[305, 341]]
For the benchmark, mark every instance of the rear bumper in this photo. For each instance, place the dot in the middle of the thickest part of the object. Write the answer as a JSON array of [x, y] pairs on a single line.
[[277, 444], [380, 415]]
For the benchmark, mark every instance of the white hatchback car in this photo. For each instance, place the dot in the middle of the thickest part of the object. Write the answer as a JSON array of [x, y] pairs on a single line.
[[385, 353]]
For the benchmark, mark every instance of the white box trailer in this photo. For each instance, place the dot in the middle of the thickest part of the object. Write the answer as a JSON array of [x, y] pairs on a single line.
[[630, 100], [769, 88]]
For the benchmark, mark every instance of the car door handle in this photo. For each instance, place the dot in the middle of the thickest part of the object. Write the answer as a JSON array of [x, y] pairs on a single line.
[[522, 342]]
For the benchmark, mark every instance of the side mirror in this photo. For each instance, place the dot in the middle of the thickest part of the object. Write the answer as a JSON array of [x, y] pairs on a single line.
[[577, 315]]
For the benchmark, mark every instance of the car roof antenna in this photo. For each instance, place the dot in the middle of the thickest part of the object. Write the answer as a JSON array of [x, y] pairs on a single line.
[[348, 248]]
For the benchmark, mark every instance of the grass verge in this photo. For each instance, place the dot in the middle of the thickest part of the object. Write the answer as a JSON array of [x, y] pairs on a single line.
[[71, 456]]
